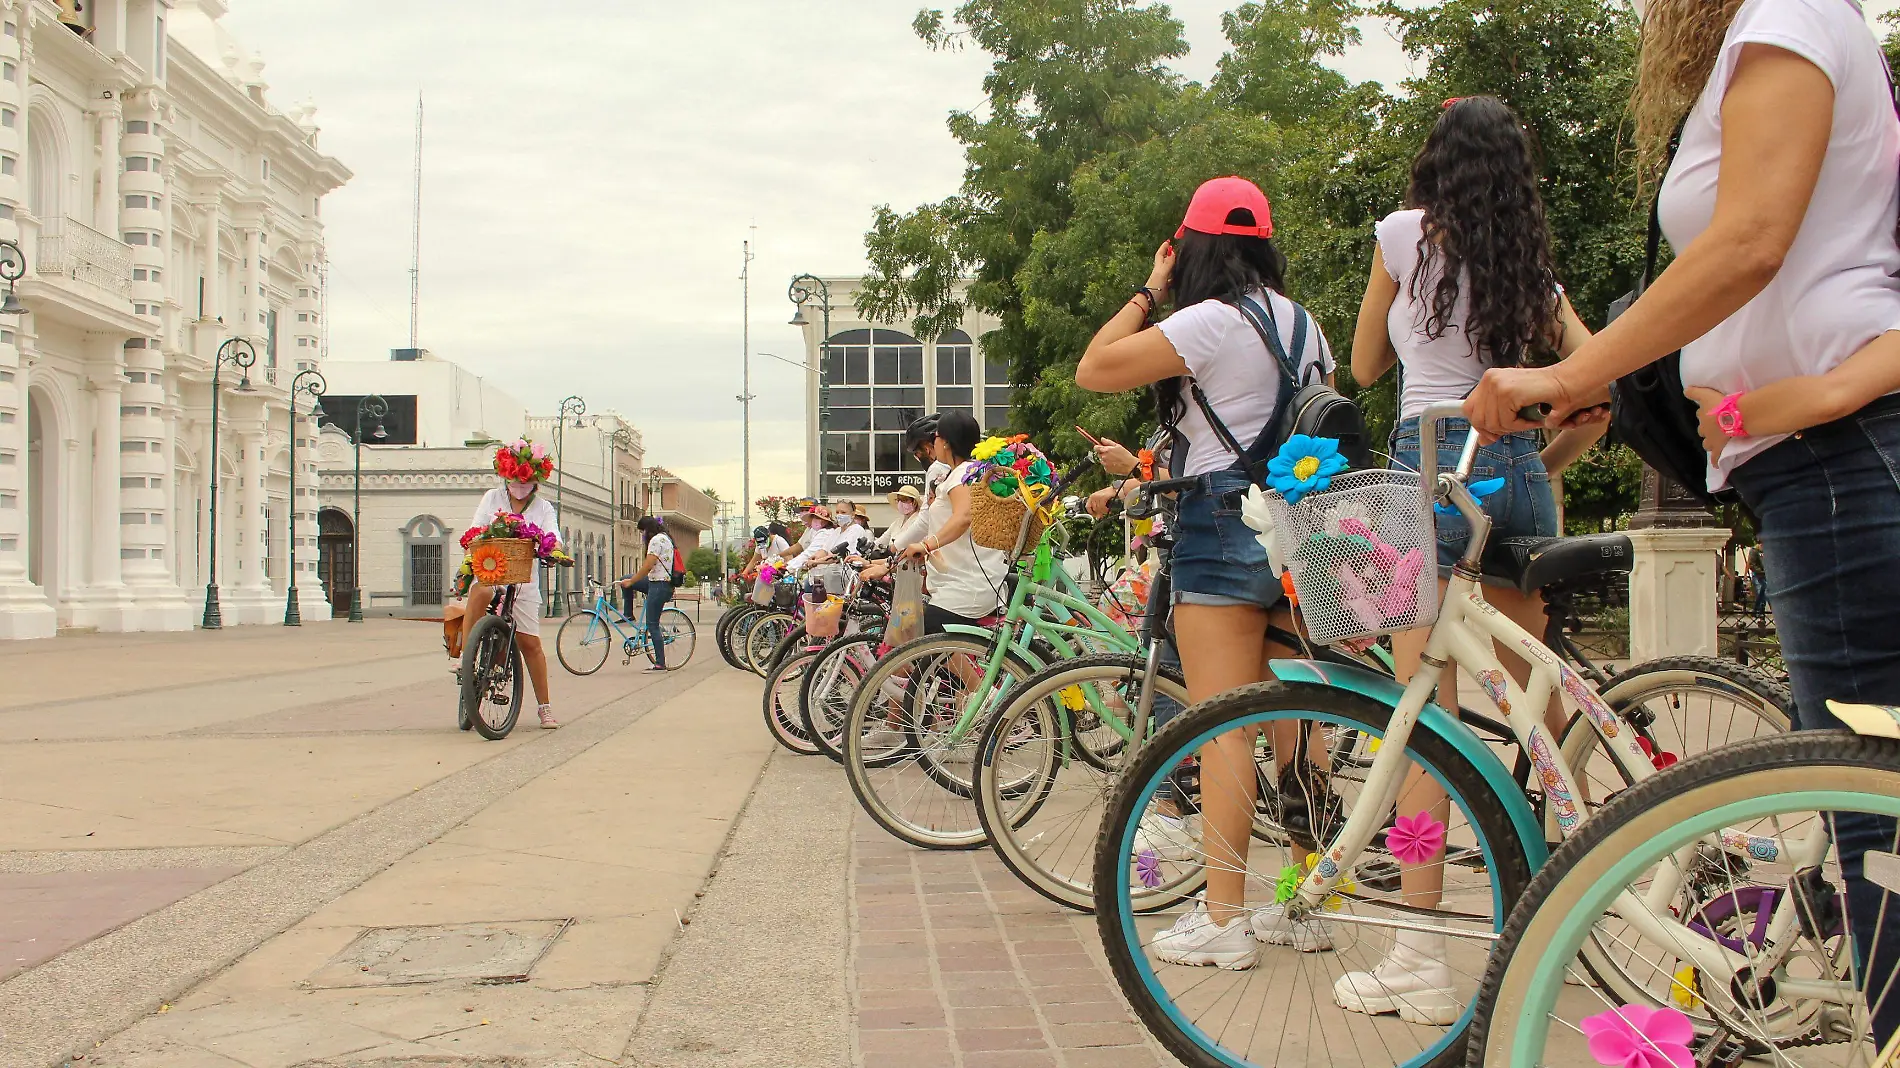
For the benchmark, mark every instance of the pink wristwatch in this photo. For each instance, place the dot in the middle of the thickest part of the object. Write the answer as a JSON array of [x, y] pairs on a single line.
[[1728, 416]]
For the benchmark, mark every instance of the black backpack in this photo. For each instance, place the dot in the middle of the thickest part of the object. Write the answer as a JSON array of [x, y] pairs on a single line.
[[1311, 407]]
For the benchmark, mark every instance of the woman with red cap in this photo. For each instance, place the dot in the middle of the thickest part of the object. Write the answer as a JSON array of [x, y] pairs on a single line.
[[1227, 280]]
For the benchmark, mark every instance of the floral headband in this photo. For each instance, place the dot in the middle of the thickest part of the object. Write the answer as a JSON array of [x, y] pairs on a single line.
[[522, 460]]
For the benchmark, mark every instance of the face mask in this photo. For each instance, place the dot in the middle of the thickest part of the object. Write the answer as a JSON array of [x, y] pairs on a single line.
[[520, 491], [905, 508]]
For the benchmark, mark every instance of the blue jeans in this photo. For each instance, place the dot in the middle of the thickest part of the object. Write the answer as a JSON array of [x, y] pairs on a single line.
[[658, 593], [1523, 508], [1828, 503], [1217, 560]]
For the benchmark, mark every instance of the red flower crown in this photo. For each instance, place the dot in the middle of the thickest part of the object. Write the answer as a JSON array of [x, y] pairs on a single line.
[[523, 461]]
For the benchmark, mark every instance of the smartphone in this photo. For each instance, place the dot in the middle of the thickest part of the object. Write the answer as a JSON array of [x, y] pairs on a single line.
[[1091, 437]]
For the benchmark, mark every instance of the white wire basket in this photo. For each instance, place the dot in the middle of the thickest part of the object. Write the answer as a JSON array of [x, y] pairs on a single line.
[[1363, 554]]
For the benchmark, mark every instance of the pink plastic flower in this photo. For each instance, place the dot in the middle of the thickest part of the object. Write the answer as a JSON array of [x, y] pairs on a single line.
[[1415, 839], [539, 451], [1401, 591], [1352, 524], [1636, 1036], [1148, 868], [1357, 598]]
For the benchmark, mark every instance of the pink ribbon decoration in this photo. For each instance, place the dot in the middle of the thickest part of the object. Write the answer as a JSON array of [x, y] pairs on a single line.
[[1636, 1036], [1357, 598], [1415, 839], [1401, 590]]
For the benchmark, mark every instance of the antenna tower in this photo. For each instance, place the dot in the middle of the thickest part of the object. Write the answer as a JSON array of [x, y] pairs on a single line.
[[415, 234]]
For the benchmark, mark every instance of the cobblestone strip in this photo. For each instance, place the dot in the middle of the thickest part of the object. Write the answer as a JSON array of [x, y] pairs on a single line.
[[956, 964]]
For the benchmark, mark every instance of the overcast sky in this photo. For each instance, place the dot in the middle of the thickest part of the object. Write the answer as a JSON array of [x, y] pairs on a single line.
[[591, 169]]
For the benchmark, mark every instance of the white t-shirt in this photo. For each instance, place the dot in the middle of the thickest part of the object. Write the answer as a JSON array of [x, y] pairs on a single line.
[[933, 480], [1240, 377], [964, 577], [661, 546], [1835, 291], [538, 512], [1435, 369], [773, 549], [822, 539], [906, 530]]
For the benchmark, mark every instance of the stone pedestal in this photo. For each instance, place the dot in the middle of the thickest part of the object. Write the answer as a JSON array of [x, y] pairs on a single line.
[[1673, 609]]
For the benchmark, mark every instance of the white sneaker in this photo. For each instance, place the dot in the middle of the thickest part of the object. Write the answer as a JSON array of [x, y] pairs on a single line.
[[1414, 981], [1271, 926], [1195, 939], [1166, 837]]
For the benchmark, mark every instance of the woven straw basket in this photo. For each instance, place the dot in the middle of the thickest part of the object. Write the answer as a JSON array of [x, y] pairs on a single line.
[[997, 522], [518, 553]]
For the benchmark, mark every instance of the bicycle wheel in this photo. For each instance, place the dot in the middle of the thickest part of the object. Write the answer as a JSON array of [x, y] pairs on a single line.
[[1041, 804], [677, 634], [492, 678], [794, 639], [763, 638], [732, 639], [583, 642], [783, 720], [909, 749], [1279, 1004], [828, 686], [1707, 848]]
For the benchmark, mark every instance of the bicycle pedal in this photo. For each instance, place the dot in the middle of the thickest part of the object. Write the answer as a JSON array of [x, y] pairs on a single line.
[[1817, 903], [1381, 875], [1721, 1050]]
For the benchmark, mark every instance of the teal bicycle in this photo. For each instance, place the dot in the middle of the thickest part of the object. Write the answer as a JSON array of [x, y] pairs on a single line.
[[587, 636]]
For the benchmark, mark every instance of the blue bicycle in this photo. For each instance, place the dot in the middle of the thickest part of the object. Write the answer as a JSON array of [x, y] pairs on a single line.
[[587, 636]]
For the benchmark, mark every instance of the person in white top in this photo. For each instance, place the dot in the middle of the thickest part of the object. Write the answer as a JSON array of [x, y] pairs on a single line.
[[911, 524], [523, 498], [1783, 297], [965, 581], [822, 549], [654, 578]]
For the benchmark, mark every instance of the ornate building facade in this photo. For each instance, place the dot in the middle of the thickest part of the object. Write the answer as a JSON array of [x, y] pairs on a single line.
[[164, 207]]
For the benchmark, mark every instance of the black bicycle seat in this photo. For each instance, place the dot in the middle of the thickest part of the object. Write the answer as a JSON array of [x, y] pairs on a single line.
[[1531, 564]]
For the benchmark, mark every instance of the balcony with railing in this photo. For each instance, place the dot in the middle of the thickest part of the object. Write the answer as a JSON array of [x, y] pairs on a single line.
[[71, 250]]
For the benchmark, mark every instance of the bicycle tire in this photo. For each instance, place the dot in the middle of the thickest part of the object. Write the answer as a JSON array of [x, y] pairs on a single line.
[[763, 637], [731, 640], [1836, 770], [576, 662], [782, 689], [1505, 863], [828, 686], [793, 639], [489, 646], [1064, 876], [679, 637], [889, 707]]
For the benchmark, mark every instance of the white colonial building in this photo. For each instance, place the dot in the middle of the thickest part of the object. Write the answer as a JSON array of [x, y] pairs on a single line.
[[164, 207], [877, 378]]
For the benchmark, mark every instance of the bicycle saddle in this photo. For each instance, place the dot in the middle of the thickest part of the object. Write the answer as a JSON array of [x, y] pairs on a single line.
[[1531, 564]]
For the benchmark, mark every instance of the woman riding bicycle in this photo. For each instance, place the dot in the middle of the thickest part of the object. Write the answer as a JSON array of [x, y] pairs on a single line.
[[528, 462]]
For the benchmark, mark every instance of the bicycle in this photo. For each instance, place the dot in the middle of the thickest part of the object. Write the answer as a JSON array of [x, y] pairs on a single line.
[[786, 717], [491, 672], [588, 635], [1712, 891], [1340, 898]]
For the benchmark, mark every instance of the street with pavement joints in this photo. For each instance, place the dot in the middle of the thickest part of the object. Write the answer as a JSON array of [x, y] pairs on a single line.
[[272, 848]]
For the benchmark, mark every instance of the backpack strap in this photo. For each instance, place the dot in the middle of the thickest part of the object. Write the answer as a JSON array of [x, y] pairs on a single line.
[[1253, 458]]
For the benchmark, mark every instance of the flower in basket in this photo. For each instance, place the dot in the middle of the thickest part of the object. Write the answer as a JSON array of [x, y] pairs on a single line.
[[1305, 464], [488, 563], [987, 448], [522, 460], [1255, 513]]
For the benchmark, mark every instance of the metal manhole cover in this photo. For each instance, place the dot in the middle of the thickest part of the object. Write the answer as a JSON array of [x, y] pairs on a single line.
[[479, 952]]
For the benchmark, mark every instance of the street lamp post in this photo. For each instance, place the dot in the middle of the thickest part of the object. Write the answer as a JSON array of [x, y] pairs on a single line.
[[375, 407], [576, 407], [12, 268], [621, 441], [803, 288], [308, 381], [238, 353]]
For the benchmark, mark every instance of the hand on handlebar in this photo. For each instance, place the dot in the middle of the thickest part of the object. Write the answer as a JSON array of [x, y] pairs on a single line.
[[1507, 400], [1100, 501]]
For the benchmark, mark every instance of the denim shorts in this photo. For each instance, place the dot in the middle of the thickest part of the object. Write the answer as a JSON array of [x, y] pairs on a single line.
[[1217, 560], [1523, 508]]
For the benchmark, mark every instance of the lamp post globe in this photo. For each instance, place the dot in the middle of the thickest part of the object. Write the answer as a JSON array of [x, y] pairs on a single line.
[[239, 353], [309, 382], [802, 290], [372, 407]]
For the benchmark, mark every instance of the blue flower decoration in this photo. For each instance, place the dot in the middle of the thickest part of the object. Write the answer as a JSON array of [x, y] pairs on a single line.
[[1305, 464], [1479, 491]]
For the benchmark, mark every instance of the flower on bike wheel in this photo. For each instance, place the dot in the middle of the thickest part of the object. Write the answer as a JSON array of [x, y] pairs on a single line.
[[1637, 1036], [487, 563], [1148, 868], [1305, 464], [1415, 839]]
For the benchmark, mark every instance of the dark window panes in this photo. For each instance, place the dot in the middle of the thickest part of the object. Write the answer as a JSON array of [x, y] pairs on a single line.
[[893, 337], [953, 395], [850, 398], [912, 463], [998, 394], [954, 337], [885, 361], [834, 366], [910, 365], [834, 452], [953, 365], [890, 452], [883, 418], [995, 371], [995, 419], [857, 452], [851, 337], [850, 418], [912, 397], [857, 366]]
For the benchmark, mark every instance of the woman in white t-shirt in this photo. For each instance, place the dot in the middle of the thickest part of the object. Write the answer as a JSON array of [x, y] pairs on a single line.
[[1224, 593], [654, 578], [965, 580], [1780, 204], [522, 496]]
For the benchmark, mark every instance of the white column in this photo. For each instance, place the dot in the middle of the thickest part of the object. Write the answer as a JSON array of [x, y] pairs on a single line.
[[208, 263], [249, 528], [103, 602], [251, 300], [25, 611], [1673, 608], [105, 208]]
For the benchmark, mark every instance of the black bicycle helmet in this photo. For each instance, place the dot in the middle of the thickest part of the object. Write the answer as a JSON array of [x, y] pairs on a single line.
[[760, 533], [920, 432]]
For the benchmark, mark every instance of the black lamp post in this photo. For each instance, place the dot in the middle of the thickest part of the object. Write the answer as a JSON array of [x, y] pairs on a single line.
[[803, 288], [12, 268], [308, 381], [238, 353], [373, 407], [620, 441], [576, 407]]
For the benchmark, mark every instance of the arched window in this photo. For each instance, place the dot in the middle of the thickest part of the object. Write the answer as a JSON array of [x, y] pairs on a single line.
[[45, 168], [425, 560]]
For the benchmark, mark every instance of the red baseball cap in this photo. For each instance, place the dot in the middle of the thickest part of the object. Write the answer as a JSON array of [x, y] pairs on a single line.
[[1207, 212]]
